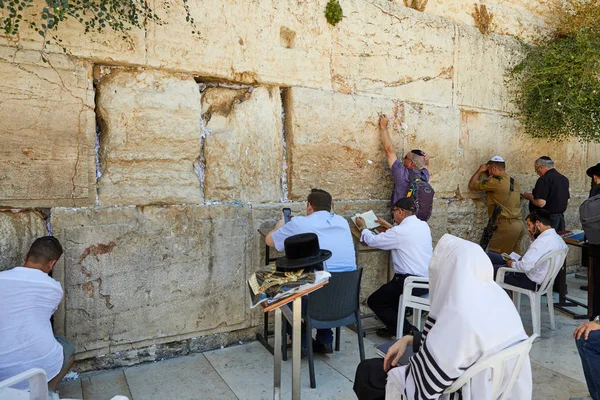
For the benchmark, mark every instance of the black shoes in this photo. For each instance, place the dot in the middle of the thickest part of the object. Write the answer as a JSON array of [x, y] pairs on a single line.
[[323, 348], [385, 332]]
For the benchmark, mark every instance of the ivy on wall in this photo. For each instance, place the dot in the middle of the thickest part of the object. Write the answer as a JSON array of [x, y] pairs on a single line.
[[95, 15], [558, 81]]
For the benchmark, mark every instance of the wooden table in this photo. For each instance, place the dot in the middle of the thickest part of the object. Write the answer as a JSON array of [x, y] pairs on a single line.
[[296, 339], [564, 302]]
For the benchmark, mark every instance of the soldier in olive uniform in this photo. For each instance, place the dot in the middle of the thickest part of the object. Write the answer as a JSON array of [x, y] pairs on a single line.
[[497, 186]]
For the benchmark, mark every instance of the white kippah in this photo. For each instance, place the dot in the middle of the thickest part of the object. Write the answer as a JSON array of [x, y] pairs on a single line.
[[497, 159]]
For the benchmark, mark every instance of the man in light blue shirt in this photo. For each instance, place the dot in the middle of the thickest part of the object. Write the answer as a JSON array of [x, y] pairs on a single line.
[[334, 235], [332, 230]]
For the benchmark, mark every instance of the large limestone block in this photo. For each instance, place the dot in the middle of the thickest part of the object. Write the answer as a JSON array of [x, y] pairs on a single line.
[[274, 42], [483, 61], [47, 128], [387, 49], [243, 154], [150, 138], [18, 229], [137, 276], [334, 143], [106, 47]]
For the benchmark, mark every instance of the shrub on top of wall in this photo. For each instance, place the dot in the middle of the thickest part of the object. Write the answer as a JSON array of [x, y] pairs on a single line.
[[558, 81]]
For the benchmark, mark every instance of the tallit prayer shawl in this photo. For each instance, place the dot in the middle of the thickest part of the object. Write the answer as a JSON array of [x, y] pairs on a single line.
[[471, 318]]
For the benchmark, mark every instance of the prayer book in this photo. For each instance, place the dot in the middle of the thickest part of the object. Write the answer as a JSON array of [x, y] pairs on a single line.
[[370, 219], [383, 349], [512, 256]]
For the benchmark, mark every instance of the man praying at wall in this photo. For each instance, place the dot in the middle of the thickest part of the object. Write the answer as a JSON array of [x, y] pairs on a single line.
[[29, 297]]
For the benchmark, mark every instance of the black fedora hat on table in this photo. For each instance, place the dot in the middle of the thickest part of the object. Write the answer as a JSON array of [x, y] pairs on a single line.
[[302, 251]]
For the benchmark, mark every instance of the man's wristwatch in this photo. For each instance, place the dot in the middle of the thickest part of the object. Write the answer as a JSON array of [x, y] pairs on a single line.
[[597, 319]]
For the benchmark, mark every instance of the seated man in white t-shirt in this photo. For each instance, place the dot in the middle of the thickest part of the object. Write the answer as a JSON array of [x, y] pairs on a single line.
[[334, 235], [545, 240], [29, 297], [411, 247]]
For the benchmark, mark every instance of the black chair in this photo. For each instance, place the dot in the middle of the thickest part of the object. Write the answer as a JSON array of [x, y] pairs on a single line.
[[333, 306]]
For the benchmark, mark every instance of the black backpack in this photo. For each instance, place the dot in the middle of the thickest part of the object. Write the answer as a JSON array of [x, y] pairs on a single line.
[[422, 194]]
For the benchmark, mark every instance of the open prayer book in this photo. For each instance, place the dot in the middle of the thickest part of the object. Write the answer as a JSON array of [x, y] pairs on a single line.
[[512, 256], [370, 219]]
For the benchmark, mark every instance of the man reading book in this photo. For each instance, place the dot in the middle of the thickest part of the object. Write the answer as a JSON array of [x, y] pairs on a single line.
[[545, 240], [411, 246]]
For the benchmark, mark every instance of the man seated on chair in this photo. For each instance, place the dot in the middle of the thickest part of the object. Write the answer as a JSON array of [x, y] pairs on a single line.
[[29, 297], [334, 234], [545, 240], [411, 246]]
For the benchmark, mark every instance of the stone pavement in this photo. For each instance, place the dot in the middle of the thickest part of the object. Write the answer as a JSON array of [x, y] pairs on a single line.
[[246, 371]]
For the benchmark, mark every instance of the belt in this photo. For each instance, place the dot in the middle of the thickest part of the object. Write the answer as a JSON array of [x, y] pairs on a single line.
[[508, 219]]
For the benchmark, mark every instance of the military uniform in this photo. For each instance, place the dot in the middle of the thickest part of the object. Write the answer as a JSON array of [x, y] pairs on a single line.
[[507, 237]]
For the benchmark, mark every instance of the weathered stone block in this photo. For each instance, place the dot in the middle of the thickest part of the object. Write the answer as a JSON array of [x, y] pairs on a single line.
[[47, 128], [483, 61], [18, 229], [273, 42], [137, 276], [150, 138], [243, 154], [344, 155], [387, 49]]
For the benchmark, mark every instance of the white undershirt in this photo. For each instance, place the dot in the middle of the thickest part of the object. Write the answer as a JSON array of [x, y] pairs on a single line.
[[28, 298]]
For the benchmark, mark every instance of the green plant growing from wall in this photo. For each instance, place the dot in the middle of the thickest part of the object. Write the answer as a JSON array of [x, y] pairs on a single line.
[[333, 12], [95, 15], [558, 82]]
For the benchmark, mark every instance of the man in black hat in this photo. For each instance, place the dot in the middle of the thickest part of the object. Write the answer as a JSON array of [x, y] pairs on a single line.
[[588, 212], [551, 192], [594, 173], [411, 246]]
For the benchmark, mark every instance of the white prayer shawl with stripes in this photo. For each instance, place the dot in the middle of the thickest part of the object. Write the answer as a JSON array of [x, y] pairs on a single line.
[[471, 318]]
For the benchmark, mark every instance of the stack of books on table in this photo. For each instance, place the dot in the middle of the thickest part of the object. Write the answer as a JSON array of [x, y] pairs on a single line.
[[575, 236]]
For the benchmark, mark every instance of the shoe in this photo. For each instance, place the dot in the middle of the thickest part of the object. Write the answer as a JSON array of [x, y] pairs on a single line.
[[52, 395], [385, 332], [322, 348]]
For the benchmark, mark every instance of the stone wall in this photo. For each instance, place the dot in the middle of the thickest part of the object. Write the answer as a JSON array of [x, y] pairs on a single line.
[[156, 158]]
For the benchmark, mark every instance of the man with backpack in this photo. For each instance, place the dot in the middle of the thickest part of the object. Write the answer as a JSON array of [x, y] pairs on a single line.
[[411, 177], [589, 215], [503, 191]]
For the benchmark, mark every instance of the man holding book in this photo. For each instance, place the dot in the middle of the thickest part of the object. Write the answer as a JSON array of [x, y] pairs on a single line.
[[545, 240], [411, 246], [334, 234]]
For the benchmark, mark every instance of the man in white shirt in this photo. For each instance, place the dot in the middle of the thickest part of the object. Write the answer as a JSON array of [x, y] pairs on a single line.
[[334, 235], [29, 297], [411, 246], [545, 240]]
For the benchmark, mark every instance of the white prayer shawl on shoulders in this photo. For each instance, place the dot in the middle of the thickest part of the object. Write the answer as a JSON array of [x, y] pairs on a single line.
[[471, 318]]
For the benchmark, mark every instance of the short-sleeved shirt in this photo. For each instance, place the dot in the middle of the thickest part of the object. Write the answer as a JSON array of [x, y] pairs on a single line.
[[554, 188], [334, 235], [28, 297], [402, 179], [498, 192]]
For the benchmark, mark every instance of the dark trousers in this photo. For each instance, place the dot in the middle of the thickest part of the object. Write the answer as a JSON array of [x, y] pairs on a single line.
[[557, 221], [370, 379], [511, 278], [384, 302], [589, 351], [594, 263]]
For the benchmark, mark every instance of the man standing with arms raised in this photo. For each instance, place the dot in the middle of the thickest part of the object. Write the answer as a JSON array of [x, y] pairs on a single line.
[[501, 190], [551, 192]]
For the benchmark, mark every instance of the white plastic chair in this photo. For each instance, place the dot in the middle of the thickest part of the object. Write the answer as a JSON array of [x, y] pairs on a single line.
[[556, 259], [497, 363], [38, 386], [409, 300]]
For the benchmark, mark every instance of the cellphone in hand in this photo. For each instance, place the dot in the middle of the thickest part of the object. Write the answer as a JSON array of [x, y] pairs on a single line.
[[287, 215]]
